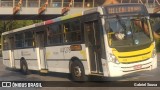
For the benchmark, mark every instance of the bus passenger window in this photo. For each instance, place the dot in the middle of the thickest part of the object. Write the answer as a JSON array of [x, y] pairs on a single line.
[[5, 43], [66, 29], [76, 34], [72, 32], [54, 35], [28, 39], [19, 40]]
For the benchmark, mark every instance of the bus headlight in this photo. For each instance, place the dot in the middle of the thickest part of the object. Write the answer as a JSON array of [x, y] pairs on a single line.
[[154, 53], [112, 58]]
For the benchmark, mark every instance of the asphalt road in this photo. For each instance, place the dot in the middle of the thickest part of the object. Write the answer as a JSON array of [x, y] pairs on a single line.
[[7, 74]]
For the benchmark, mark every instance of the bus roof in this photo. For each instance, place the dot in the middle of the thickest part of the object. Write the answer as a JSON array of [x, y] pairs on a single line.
[[47, 22]]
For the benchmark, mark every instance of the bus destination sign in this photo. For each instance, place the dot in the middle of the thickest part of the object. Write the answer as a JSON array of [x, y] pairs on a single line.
[[124, 9], [112, 10]]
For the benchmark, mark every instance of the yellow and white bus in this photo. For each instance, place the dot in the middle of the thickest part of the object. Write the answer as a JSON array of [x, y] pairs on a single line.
[[110, 41]]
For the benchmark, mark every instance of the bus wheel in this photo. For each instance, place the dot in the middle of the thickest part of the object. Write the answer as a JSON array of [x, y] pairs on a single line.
[[77, 71], [24, 67]]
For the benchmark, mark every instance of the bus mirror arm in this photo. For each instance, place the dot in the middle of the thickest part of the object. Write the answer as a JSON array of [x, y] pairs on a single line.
[[151, 20], [102, 16]]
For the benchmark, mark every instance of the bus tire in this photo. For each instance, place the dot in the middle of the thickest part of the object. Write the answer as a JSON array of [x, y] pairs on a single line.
[[77, 71], [24, 67]]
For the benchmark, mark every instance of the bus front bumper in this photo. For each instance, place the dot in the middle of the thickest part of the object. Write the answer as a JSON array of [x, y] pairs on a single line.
[[117, 70]]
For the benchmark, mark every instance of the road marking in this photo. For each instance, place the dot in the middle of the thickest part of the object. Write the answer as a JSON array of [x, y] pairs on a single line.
[[146, 75], [139, 77], [130, 79]]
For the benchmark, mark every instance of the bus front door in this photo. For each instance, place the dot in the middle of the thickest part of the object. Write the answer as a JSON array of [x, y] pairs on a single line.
[[40, 39], [93, 43]]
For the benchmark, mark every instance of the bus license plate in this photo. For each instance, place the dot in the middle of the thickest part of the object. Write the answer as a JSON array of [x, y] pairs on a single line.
[[136, 67]]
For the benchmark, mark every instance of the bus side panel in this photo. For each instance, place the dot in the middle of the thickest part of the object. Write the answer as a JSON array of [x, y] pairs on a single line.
[[6, 60], [80, 54], [30, 56], [58, 58], [68, 53], [54, 57]]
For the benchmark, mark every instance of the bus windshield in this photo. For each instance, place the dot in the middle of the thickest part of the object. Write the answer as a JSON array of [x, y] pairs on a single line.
[[129, 31]]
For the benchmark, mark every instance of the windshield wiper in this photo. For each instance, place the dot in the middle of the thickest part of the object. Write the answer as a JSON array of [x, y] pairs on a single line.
[[121, 22]]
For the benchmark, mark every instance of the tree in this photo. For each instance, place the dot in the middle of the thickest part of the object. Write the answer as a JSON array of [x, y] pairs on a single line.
[[7, 25]]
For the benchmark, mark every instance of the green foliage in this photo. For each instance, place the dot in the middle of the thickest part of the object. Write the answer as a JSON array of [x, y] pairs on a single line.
[[8, 25]]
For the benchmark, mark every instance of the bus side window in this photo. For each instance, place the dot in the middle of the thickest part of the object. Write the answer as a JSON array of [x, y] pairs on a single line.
[[5, 43], [72, 31], [54, 34], [66, 29], [76, 31], [28, 42], [19, 40]]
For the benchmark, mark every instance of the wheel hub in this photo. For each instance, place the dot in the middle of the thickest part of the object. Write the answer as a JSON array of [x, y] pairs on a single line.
[[77, 71], [24, 68]]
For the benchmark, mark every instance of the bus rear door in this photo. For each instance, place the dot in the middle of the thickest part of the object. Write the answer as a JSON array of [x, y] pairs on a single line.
[[11, 51], [40, 38]]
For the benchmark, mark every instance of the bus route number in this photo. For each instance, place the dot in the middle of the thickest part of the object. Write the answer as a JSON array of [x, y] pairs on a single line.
[[65, 50]]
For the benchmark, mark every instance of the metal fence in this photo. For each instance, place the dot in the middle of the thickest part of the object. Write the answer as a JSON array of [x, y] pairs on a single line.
[[77, 4]]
